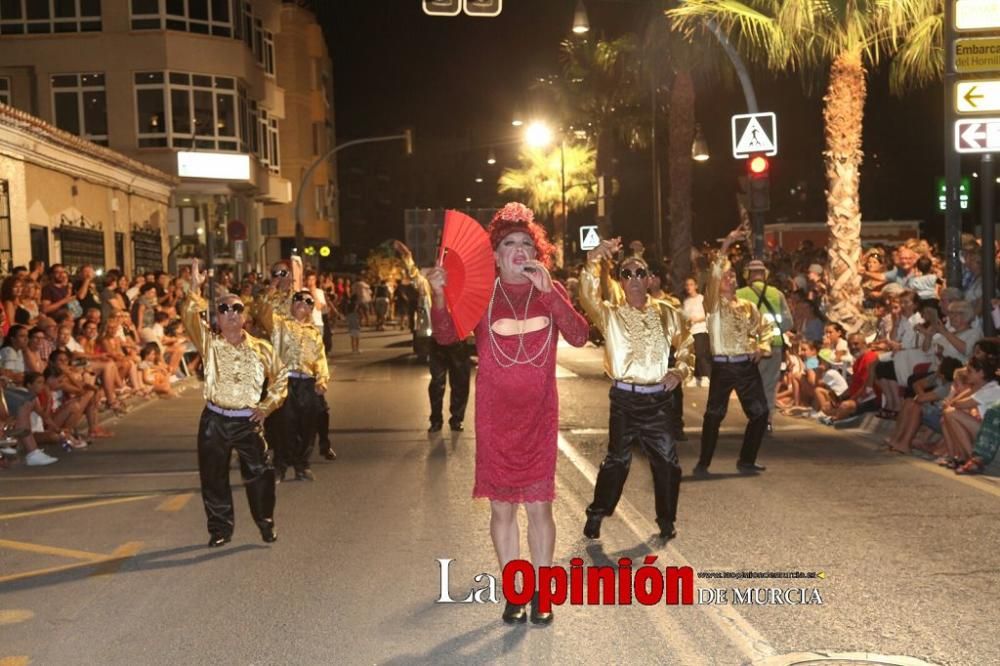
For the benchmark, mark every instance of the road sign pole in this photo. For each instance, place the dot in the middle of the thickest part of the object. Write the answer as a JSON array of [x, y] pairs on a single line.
[[987, 218], [952, 161]]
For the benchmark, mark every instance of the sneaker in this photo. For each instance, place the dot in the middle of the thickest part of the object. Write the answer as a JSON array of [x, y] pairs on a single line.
[[9, 451], [37, 458]]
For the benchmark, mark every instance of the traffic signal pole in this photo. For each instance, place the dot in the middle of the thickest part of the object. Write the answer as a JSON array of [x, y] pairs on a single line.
[[952, 160]]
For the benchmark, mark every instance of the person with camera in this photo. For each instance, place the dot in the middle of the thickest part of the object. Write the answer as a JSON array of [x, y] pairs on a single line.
[[245, 381], [640, 331], [739, 338]]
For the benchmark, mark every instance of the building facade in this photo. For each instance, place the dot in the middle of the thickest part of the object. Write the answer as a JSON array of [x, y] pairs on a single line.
[[307, 134], [65, 199], [188, 87]]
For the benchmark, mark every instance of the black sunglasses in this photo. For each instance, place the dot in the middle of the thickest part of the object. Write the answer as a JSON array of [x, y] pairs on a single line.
[[237, 308], [279, 274], [639, 273], [302, 298]]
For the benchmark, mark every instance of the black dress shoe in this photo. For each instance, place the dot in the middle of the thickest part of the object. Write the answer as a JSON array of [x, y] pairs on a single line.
[[514, 614], [435, 427], [749, 468], [701, 471], [592, 530], [330, 454], [305, 475], [218, 540], [456, 426], [538, 617], [268, 534], [668, 531]]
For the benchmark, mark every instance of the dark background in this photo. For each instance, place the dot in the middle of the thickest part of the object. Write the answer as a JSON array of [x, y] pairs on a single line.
[[458, 81]]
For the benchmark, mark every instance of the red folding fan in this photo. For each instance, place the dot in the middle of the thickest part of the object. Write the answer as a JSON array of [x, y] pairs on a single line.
[[467, 255]]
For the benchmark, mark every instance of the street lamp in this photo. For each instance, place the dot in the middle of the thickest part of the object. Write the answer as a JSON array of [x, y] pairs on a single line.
[[491, 157], [538, 135], [580, 23], [699, 147]]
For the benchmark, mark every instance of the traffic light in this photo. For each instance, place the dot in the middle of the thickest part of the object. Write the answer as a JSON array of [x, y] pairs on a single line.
[[443, 7], [758, 173]]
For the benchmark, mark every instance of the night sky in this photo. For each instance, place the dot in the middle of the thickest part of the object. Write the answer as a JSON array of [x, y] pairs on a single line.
[[458, 80]]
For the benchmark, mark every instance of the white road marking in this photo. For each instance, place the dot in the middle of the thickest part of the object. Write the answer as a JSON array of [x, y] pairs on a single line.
[[742, 634]]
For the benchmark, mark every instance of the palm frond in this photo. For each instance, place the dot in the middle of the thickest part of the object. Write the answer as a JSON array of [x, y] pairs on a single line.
[[920, 59]]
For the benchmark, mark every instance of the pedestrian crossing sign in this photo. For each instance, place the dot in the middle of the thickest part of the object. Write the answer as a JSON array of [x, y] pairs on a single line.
[[589, 238], [754, 133]]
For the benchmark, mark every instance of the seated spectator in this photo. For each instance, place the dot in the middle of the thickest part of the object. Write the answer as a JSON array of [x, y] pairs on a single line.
[[12, 364], [60, 414], [962, 416], [10, 297], [34, 360], [77, 384], [835, 339], [22, 401], [95, 362], [808, 320], [111, 344], [58, 294], [154, 372], [859, 397], [830, 385], [873, 276], [903, 337], [923, 411], [957, 337], [987, 444]]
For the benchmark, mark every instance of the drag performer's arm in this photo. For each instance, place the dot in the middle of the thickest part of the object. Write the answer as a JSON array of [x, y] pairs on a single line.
[[718, 267], [441, 321], [571, 324]]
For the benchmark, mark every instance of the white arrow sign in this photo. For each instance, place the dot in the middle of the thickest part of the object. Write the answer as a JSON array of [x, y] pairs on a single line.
[[977, 14], [754, 133], [981, 135], [977, 96]]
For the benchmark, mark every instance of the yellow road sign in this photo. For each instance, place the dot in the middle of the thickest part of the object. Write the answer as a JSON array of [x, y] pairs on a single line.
[[977, 54], [977, 96]]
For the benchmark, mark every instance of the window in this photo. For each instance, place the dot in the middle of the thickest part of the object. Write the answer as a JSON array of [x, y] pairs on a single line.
[[151, 109], [202, 111], [5, 96], [268, 141], [204, 17], [80, 106], [42, 17], [269, 52], [258, 40]]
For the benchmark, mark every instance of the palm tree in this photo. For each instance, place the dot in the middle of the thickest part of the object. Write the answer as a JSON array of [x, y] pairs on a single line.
[[602, 92], [846, 38], [539, 181]]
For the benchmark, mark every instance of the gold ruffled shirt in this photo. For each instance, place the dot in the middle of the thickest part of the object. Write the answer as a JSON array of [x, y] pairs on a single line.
[[235, 375], [299, 345], [637, 341], [735, 327]]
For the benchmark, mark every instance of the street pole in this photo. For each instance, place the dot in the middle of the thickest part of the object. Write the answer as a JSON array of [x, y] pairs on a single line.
[[655, 168], [406, 136], [562, 186], [988, 182], [952, 160]]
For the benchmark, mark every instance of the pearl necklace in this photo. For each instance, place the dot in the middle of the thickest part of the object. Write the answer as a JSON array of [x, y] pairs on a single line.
[[521, 349]]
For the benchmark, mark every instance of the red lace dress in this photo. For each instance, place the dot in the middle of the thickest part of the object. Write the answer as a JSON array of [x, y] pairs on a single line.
[[517, 406]]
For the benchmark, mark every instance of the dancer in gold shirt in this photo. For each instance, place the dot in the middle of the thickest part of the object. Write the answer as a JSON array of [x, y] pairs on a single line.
[[739, 337], [639, 332], [244, 382]]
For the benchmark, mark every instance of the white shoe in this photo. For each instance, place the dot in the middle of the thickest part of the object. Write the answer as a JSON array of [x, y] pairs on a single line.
[[37, 458], [8, 451]]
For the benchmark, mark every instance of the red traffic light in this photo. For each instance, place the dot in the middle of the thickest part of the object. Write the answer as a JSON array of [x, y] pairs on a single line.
[[758, 165]]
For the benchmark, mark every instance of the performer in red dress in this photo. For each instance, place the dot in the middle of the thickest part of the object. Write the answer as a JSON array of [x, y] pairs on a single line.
[[517, 406]]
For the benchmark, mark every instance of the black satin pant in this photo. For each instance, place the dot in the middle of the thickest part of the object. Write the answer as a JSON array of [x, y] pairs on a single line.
[[451, 363], [745, 380], [217, 437], [291, 430], [644, 419]]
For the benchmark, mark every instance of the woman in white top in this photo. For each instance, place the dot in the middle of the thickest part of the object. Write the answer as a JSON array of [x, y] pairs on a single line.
[[962, 416], [694, 310], [957, 338]]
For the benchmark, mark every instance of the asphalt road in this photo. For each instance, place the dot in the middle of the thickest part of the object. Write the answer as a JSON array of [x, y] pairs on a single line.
[[103, 557]]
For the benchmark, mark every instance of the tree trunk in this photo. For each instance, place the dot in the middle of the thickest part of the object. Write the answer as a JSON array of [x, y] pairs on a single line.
[[843, 116], [679, 173]]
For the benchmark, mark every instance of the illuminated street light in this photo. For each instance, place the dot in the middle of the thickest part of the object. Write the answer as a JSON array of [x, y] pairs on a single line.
[[538, 135], [699, 147], [468, 199], [491, 157], [479, 178], [580, 23]]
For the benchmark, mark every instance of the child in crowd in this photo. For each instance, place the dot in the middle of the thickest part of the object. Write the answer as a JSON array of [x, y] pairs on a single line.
[[154, 371], [354, 322], [924, 281]]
